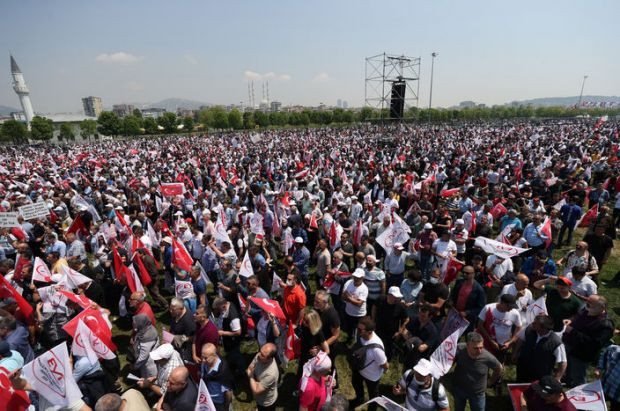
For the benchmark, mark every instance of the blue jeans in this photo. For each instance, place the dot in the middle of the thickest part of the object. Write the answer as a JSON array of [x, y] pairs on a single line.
[[476, 401]]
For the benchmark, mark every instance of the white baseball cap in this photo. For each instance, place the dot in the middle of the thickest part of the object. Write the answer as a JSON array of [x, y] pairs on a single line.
[[428, 226], [299, 240], [164, 351], [359, 273], [394, 291], [423, 367], [398, 246]]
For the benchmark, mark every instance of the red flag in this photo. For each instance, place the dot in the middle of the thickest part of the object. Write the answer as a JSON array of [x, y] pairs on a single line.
[[97, 324], [78, 227], [180, 256], [122, 221], [303, 173], [271, 306], [589, 217], [7, 291], [332, 235], [120, 270], [546, 229], [518, 170], [357, 233], [606, 183], [313, 223], [13, 400], [472, 228], [79, 299], [171, 189], [449, 192], [145, 278], [276, 230], [498, 210], [452, 268], [19, 233], [292, 346], [53, 217]]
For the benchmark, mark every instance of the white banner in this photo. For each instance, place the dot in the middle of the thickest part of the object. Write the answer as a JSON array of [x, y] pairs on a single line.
[[51, 375], [8, 220], [443, 356], [204, 401], [454, 321], [34, 210], [53, 301], [396, 233], [536, 308], [497, 248], [40, 272], [386, 404], [221, 235], [256, 223], [588, 396], [246, 269]]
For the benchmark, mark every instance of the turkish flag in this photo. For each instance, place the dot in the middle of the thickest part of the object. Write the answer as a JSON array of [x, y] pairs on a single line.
[[546, 229], [449, 192], [79, 299], [292, 344], [95, 321], [171, 189], [120, 269], [145, 278], [276, 230], [13, 400], [498, 210], [77, 226], [180, 256], [271, 306], [333, 239], [589, 217], [313, 223], [452, 267], [7, 291], [357, 233]]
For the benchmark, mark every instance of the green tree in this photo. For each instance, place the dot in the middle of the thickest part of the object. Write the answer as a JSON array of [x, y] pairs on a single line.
[[220, 118], [262, 119], [66, 132], [248, 120], [137, 113], [131, 126], [188, 124], [365, 113], [150, 125], [15, 131], [168, 121], [88, 127], [205, 117], [109, 124], [235, 120], [41, 128]]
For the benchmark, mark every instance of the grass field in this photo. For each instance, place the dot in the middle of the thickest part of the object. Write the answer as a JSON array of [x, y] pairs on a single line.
[[286, 401]]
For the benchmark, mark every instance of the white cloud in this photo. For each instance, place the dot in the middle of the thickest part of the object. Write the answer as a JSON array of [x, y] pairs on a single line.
[[190, 59], [320, 77], [118, 57], [270, 75], [252, 75]]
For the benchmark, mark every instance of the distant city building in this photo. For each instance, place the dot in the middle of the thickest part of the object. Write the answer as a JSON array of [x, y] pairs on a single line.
[[153, 112], [467, 104], [276, 106], [264, 105], [339, 103], [185, 112], [19, 85], [92, 106], [345, 104], [123, 110]]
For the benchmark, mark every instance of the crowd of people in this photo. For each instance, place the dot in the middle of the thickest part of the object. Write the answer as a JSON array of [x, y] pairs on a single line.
[[231, 255]]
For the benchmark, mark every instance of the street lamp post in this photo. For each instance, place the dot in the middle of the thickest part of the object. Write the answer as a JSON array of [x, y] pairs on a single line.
[[583, 83], [430, 99]]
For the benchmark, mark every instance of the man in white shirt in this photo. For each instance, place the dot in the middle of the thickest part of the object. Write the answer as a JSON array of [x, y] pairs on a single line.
[[499, 325], [375, 364], [583, 286], [521, 292], [443, 248], [497, 267], [354, 295]]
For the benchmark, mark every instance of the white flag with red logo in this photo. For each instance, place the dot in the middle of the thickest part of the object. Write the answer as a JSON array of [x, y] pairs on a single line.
[[204, 401], [443, 356], [40, 271], [183, 289], [87, 344], [538, 307], [97, 324], [246, 269], [588, 396], [498, 248], [51, 375], [256, 223], [53, 300], [221, 235], [72, 279], [395, 233], [546, 230]]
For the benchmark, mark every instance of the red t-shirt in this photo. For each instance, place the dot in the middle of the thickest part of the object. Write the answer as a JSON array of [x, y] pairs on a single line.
[[313, 397], [464, 292], [294, 302]]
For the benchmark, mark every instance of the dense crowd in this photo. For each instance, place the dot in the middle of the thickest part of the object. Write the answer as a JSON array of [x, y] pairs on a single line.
[[384, 244]]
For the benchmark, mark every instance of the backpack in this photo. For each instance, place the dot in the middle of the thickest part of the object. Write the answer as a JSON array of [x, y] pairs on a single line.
[[357, 357], [434, 388]]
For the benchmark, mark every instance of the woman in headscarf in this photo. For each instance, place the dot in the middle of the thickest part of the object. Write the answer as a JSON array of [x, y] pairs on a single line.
[[315, 383], [144, 341]]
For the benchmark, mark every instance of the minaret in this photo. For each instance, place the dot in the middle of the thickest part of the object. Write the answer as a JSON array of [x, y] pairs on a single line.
[[19, 85]]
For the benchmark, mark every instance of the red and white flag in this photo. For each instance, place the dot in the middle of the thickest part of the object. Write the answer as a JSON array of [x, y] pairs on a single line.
[[589, 217], [204, 401], [451, 267], [498, 248], [80, 299], [8, 291], [256, 223], [498, 210], [588, 396], [546, 230], [302, 174], [271, 306], [221, 235], [51, 376], [97, 324], [246, 269], [53, 300], [358, 232], [449, 192], [313, 223], [292, 344], [171, 189], [183, 289], [180, 256], [243, 304], [78, 227], [71, 279], [443, 356], [40, 271], [536, 308], [87, 344]]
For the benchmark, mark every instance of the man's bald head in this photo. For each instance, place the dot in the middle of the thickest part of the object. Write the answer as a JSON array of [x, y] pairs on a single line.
[[267, 352], [177, 380], [109, 402]]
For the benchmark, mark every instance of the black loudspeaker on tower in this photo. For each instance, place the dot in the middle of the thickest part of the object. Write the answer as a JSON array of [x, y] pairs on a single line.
[[397, 103]]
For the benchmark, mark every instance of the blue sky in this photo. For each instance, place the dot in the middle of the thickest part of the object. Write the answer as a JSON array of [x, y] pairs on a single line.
[[311, 52]]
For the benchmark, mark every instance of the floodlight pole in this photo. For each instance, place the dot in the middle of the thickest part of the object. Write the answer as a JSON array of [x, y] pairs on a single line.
[[583, 83], [430, 99]]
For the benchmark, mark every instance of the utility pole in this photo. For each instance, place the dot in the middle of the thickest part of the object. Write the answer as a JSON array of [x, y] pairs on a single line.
[[583, 83], [430, 99]]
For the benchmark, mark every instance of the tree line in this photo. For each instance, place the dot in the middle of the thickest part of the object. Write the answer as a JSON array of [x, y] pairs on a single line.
[[109, 124]]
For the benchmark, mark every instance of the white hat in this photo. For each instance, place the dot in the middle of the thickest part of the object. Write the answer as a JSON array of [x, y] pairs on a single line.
[[164, 351], [167, 239], [118, 208], [394, 291], [423, 367], [428, 226], [398, 246], [460, 221], [299, 240], [178, 213], [109, 205], [206, 212], [359, 273]]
